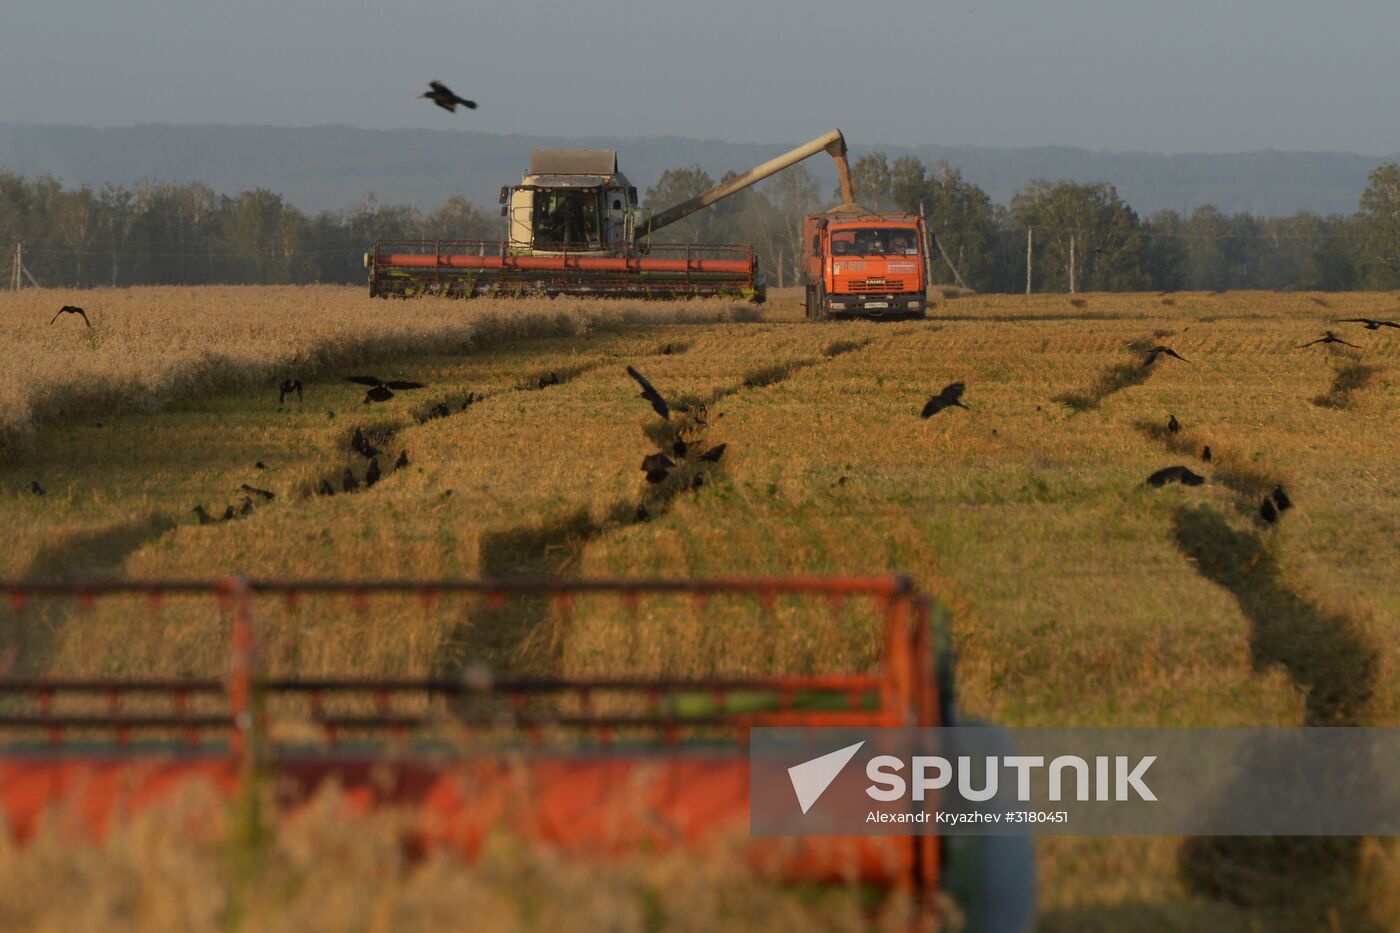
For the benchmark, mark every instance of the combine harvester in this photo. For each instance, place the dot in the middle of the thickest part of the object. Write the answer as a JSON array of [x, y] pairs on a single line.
[[590, 766], [574, 228]]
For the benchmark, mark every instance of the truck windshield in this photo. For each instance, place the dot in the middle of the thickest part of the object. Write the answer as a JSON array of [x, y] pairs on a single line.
[[875, 241]]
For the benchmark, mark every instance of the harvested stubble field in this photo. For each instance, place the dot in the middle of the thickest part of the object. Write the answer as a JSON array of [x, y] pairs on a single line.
[[1079, 595]]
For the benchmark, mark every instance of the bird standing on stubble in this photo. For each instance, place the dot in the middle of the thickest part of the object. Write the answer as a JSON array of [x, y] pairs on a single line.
[[372, 474], [1281, 499], [1205, 453], [348, 481], [1267, 511], [287, 388], [1173, 425], [204, 517]]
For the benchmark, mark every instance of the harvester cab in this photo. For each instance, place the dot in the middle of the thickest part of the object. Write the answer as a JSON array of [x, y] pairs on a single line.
[[571, 200]]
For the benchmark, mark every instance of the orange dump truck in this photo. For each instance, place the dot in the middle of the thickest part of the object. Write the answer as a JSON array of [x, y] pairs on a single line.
[[864, 263]]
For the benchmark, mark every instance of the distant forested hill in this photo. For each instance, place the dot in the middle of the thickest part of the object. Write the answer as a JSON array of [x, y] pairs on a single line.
[[330, 167]]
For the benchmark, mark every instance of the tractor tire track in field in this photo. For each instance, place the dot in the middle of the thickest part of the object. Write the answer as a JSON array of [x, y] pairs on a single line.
[[1328, 658], [520, 636], [1349, 379], [1116, 379], [88, 555]]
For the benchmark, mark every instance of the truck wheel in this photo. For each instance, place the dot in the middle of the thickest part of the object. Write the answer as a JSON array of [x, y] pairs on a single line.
[[811, 308], [818, 304]]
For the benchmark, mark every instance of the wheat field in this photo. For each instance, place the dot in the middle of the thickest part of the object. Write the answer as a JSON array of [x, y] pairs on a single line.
[[1079, 595]]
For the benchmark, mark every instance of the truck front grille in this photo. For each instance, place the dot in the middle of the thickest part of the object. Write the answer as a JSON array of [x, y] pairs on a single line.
[[885, 285]]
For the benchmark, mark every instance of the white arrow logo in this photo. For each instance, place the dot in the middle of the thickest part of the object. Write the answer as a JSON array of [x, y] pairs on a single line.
[[811, 778]]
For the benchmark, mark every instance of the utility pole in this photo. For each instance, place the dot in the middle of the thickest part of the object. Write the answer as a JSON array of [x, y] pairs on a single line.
[[1071, 262], [928, 259], [1030, 245]]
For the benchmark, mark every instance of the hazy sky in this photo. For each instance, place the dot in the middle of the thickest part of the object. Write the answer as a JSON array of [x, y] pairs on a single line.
[[1168, 75]]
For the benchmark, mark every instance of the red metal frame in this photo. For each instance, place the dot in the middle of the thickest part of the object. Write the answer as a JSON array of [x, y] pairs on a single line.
[[480, 267], [651, 774]]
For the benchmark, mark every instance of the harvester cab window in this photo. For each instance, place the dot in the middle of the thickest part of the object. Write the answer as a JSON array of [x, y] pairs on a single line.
[[566, 217]]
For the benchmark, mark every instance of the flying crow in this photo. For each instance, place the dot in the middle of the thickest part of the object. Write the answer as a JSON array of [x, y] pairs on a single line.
[[714, 453], [72, 309], [379, 389], [1159, 351], [658, 404], [442, 95], [1329, 337], [1370, 324], [287, 388], [1175, 474], [947, 398], [257, 492]]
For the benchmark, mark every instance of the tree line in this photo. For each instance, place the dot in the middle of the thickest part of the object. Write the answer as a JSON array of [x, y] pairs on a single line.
[[1080, 234]]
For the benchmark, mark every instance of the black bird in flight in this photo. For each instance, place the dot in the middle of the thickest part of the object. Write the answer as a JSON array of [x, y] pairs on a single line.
[[654, 462], [1329, 337], [657, 476], [361, 445], [1267, 510], [714, 453], [35, 488], [326, 489], [348, 481], [204, 517], [287, 388], [679, 447], [1159, 351], [402, 462], [1205, 453], [1281, 498], [1173, 425], [1370, 324], [257, 492], [372, 474], [442, 95], [72, 309], [946, 399], [658, 404], [379, 389], [1175, 474]]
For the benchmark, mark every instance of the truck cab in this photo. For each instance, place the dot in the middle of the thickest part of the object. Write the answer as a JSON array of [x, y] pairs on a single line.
[[861, 263]]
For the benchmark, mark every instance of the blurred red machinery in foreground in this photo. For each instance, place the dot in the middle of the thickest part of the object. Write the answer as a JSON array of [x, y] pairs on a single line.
[[588, 765]]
